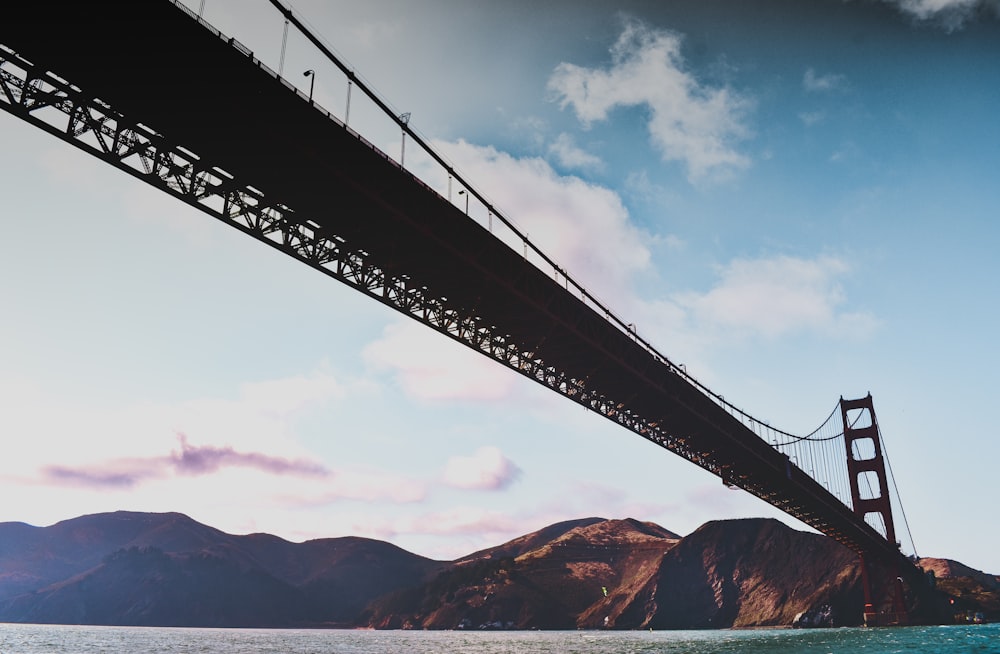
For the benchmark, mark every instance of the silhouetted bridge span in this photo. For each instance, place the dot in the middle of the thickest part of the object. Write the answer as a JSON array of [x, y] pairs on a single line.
[[149, 88]]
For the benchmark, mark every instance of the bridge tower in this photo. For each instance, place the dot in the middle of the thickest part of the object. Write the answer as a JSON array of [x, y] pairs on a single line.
[[883, 587]]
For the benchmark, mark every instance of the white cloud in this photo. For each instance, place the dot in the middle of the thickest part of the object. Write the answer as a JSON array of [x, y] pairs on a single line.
[[778, 296], [486, 469], [584, 228], [689, 122], [285, 397], [372, 34], [429, 367], [569, 155], [950, 14], [810, 118], [365, 485], [848, 151], [815, 83], [638, 186]]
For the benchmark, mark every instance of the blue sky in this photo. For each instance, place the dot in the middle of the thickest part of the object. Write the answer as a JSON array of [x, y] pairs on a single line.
[[797, 200]]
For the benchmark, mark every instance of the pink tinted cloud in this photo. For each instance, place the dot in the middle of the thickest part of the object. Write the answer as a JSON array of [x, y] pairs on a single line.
[[93, 477], [486, 469], [467, 521], [364, 485], [430, 367], [190, 460], [193, 460]]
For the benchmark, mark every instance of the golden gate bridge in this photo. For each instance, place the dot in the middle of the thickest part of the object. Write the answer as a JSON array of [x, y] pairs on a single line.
[[194, 113]]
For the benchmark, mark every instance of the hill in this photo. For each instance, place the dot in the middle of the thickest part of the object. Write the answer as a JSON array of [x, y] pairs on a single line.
[[738, 573], [969, 591], [165, 569], [566, 576], [755, 573]]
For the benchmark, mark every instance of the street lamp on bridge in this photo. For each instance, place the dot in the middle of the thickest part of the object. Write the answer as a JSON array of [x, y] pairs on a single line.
[[404, 120], [311, 74]]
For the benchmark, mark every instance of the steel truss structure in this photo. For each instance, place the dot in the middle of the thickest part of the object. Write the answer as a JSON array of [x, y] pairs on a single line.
[[60, 108]]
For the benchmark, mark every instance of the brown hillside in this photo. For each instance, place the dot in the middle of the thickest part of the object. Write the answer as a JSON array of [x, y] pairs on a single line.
[[968, 591], [948, 569], [755, 572], [558, 584], [528, 542]]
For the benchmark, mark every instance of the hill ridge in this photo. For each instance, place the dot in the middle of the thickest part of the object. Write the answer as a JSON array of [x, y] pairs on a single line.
[[159, 569]]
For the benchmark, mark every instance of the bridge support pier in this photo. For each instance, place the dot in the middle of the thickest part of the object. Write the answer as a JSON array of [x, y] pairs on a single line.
[[885, 604], [883, 585]]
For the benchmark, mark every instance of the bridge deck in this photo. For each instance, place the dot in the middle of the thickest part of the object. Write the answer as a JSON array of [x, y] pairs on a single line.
[[157, 66]]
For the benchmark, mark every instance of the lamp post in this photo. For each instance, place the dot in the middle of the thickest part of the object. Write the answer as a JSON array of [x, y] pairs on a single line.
[[462, 192], [347, 112], [404, 120], [311, 74]]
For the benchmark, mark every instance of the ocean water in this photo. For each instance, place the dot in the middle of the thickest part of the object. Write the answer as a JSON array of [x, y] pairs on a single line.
[[58, 639]]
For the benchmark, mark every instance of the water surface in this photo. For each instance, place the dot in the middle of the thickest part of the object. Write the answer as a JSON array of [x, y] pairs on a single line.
[[60, 639]]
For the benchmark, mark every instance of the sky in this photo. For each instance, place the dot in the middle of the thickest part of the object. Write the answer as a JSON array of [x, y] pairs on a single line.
[[797, 200]]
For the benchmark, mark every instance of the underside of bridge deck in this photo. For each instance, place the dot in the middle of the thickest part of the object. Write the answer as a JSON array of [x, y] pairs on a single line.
[[152, 64]]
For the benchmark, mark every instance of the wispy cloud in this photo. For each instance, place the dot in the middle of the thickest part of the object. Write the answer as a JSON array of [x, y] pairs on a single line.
[[290, 395], [189, 460], [93, 477], [772, 297], [583, 227], [569, 155], [362, 485], [695, 124], [814, 82], [486, 469], [810, 118], [371, 34], [193, 460], [465, 520], [949, 14], [428, 367]]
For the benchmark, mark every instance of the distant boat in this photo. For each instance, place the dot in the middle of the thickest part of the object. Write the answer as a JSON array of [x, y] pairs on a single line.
[[973, 617]]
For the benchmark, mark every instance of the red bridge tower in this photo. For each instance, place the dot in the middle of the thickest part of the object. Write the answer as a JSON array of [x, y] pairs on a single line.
[[883, 587]]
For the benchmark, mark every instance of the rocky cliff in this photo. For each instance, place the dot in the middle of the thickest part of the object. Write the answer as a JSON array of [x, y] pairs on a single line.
[[752, 573]]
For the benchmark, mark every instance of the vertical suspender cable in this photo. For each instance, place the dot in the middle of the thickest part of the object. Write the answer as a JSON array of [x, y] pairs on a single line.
[[899, 499], [284, 41]]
